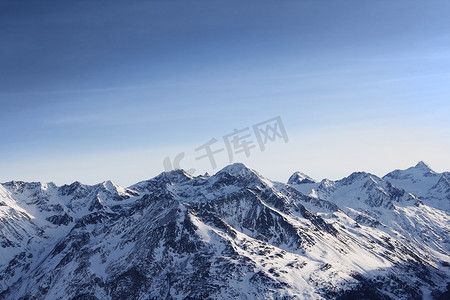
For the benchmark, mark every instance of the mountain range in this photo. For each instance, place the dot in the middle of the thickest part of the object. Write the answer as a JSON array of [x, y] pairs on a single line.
[[232, 235]]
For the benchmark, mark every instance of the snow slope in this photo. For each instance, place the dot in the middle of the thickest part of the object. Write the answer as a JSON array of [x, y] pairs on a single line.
[[233, 235]]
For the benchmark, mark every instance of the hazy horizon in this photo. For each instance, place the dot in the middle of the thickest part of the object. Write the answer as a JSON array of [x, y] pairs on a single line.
[[218, 170]]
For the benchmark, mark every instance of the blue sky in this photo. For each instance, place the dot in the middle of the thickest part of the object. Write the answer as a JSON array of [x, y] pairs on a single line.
[[96, 90]]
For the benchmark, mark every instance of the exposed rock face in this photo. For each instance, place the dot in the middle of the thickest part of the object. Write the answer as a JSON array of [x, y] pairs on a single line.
[[234, 235]]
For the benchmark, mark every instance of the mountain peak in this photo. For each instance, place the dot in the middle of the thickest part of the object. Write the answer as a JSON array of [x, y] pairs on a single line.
[[299, 178], [422, 165], [108, 183], [177, 175], [110, 186], [235, 169], [169, 177]]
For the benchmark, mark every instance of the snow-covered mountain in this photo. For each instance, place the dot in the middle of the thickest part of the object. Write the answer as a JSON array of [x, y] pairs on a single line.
[[233, 235], [422, 181]]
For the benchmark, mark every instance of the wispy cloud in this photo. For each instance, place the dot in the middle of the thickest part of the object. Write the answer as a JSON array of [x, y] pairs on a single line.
[[78, 91], [74, 119]]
